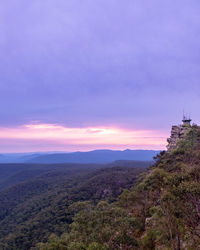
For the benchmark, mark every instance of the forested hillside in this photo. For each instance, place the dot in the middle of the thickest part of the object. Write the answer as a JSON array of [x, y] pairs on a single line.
[[161, 212], [95, 156], [37, 200]]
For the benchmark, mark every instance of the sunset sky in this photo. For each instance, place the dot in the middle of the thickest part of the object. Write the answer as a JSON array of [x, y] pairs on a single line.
[[83, 75]]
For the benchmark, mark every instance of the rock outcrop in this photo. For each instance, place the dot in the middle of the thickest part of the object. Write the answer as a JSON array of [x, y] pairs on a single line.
[[178, 132]]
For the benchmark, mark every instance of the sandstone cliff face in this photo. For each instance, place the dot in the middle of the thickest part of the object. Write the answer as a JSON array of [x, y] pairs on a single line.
[[177, 133]]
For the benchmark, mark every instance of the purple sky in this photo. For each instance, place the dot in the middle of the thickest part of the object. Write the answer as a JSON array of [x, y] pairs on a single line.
[[132, 64]]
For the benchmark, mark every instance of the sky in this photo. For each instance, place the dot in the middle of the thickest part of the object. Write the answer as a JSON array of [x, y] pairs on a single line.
[[83, 75]]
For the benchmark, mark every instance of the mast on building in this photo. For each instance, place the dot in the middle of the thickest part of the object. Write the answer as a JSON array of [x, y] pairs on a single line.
[[186, 121]]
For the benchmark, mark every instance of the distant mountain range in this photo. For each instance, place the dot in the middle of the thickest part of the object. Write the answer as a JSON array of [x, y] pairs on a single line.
[[96, 156]]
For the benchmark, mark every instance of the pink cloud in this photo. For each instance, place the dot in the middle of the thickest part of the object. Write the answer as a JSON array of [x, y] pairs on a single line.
[[37, 137]]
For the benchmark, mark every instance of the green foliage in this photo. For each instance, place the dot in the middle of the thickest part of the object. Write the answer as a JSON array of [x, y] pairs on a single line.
[[96, 246], [161, 212], [105, 227], [32, 210], [105, 211]]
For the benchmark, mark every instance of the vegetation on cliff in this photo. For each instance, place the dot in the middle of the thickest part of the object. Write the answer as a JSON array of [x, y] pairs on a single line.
[[161, 212]]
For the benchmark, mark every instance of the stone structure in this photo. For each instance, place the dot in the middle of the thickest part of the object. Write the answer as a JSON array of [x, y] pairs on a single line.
[[178, 133]]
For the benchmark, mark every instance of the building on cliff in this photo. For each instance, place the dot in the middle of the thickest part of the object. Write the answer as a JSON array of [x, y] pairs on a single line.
[[178, 133]]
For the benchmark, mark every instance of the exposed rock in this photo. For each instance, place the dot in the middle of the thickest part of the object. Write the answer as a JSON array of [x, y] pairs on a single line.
[[178, 133]]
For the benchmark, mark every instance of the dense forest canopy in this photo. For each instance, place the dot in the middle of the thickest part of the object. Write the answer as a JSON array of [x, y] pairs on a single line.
[[37, 200], [124, 205], [162, 211]]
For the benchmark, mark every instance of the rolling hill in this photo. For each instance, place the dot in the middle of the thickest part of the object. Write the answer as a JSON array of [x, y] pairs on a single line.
[[96, 156]]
